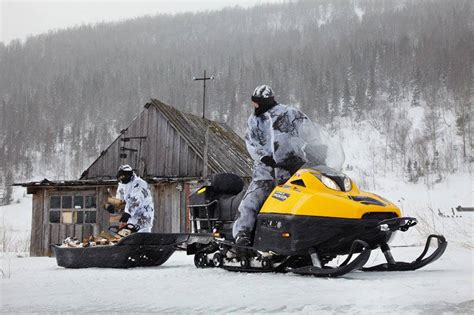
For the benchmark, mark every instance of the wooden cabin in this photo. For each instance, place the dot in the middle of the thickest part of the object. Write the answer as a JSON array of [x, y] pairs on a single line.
[[170, 149]]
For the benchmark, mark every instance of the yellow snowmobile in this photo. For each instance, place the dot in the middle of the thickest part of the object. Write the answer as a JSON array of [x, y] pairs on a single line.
[[313, 218]]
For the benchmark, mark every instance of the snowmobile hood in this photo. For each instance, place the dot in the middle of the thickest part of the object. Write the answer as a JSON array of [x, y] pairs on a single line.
[[322, 191]]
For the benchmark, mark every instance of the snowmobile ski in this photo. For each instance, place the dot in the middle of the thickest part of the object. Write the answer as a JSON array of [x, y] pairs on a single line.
[[418, 263], [346, 267]]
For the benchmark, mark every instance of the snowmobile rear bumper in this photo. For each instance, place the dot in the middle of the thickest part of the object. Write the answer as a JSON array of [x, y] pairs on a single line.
[[135, 250]]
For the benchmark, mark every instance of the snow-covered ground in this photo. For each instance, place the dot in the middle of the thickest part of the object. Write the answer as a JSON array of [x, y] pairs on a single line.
[[15, 223], [38, 285]]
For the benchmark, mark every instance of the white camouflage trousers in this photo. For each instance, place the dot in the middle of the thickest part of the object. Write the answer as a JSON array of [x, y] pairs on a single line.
[[250, 205]]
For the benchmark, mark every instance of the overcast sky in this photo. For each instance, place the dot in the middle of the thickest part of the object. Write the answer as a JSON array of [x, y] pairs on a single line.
[[21, 18]]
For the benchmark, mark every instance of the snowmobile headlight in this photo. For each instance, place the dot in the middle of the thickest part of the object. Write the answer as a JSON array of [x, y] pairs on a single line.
[[329, 183], [347, 184]]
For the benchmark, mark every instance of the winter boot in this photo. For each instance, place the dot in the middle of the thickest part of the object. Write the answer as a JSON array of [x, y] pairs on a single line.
[[243, 238]]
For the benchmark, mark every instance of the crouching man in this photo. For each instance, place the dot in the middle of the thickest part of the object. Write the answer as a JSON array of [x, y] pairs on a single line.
[[138, 201]]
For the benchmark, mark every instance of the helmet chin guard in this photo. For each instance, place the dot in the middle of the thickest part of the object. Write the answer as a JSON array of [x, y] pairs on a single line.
[[125, 174]]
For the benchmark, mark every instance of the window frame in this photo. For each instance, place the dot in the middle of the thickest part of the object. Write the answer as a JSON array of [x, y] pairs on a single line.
[[81, 212]]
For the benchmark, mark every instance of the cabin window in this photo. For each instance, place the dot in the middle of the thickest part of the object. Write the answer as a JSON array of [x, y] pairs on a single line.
[[78, 202], [55, 202], [67, 217], [74, 208], [55, 216], [90, 202], [66, 202]]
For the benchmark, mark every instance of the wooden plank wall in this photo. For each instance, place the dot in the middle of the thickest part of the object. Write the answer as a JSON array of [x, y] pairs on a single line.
[[171, 215], [107, 164], [164, 153], [167, 152], [46, 225], [170, 207], [37, 230], [103, 217], [138, 128]]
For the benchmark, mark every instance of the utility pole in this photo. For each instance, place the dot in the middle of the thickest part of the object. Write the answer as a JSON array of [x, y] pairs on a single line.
[[204, 79]]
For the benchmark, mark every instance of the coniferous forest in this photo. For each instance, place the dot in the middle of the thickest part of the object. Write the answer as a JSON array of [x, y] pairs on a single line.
[[65, 95]]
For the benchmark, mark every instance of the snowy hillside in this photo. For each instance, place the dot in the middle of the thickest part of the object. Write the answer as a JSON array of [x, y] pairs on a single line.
[[15, 223], [76, 89], [432, 200]]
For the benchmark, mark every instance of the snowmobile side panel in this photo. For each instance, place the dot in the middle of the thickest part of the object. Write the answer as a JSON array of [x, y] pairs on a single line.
[[293, 235], [304, 194], [136, 250]]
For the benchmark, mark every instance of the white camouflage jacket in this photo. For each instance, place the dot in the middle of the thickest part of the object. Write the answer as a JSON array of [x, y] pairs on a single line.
[[284, 133], [139, 202]]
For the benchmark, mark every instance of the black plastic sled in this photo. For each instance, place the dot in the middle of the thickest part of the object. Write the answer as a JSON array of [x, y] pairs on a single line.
[[135, 250]]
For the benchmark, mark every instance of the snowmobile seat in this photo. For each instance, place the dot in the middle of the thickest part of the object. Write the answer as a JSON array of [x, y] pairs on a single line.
[[216, 203], [229, 192], [228, 206], [227, 183]]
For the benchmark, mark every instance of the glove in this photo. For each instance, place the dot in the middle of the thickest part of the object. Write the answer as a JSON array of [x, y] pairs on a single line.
[[124, 218], [268, 161], [109, 208]]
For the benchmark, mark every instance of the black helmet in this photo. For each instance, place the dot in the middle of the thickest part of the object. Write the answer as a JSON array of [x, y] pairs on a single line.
[[125, 173], [263, 95]]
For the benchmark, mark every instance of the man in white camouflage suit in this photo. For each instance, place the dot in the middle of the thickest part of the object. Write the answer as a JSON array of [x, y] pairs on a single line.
[[277, 137], [138, 201]]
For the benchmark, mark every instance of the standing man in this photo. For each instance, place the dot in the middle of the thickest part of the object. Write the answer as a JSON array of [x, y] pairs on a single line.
[[138, 201], [277, 137]]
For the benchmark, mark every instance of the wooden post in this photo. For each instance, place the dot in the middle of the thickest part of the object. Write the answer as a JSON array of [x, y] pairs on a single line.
[[205, 157]]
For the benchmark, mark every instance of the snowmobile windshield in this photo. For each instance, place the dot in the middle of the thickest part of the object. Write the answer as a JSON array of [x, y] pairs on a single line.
[[321, 148], [325, 170]]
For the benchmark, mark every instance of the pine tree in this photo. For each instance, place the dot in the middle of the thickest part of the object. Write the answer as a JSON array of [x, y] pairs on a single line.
[[359, 101], [432, 128], [335, 102], [416, 89], [346, 100], [393, 92], [417, 172], [462, 121], [323, 107], [409, 171], [8, 196], [371, 90]]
